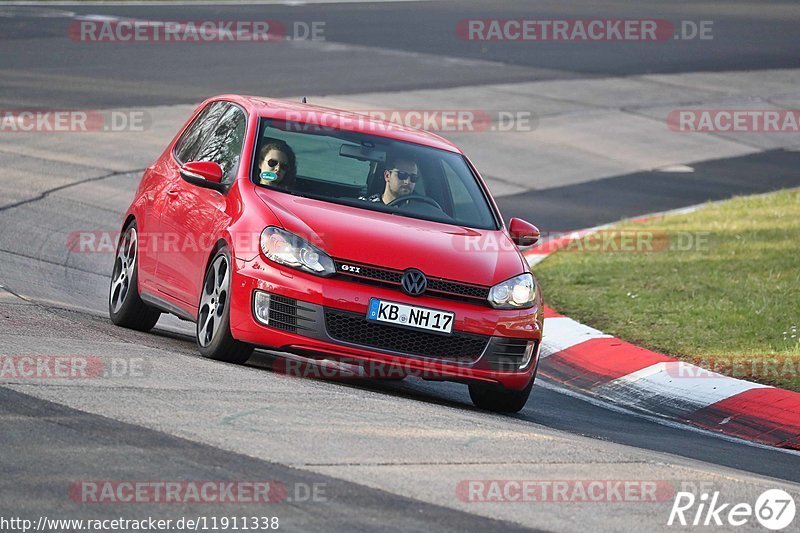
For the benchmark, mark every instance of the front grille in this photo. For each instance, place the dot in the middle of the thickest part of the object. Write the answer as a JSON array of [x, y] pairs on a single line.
[[355, 328], [443, 288], [507, 354], [381, 274]]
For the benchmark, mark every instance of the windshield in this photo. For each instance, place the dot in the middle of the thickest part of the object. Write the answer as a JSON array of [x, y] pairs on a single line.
[[370, 172]]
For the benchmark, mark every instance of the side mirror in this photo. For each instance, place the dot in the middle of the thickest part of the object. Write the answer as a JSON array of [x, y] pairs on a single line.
[[523, 233], [203, 174]]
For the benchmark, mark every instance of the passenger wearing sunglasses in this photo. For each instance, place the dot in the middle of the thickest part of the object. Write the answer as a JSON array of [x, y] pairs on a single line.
[[277, 164], [401, 177]]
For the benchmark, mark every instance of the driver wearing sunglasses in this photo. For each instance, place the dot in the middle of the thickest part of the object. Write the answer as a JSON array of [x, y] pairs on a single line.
[[401, 177], [276, 164]]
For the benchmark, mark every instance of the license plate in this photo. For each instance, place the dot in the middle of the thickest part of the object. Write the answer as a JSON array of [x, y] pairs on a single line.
[[410, 316]]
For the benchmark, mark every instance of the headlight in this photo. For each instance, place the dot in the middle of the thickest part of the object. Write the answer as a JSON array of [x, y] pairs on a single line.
[[288, 249], [515, 293]]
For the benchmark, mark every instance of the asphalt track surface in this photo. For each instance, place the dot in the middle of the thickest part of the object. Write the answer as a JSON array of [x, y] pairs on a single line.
[[389, 454], [425, 51]]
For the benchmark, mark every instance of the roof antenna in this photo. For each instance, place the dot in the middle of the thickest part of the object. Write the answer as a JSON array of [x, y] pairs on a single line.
[[304, 100]]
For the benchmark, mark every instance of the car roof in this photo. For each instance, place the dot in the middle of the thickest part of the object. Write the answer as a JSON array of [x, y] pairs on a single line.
[[339, 119]]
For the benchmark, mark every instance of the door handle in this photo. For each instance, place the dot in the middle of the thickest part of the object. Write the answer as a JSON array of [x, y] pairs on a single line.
[[173, 192]]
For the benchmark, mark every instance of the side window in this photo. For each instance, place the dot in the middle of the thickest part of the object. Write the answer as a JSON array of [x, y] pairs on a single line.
[[224, 145], [188, 145]]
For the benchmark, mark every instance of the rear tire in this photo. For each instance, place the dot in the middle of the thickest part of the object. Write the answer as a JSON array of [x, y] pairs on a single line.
[[498, 398], [125, 306], [213, 333]]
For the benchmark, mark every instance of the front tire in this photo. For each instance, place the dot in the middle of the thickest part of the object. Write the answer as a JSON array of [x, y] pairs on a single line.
[[214, 338], [125, 306], [498, 398]]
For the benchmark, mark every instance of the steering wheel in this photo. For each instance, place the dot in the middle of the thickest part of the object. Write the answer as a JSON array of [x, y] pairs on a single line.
[[415, 198]]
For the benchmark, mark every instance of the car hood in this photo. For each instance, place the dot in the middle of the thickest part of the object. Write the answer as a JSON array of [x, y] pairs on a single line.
[[483, 257]]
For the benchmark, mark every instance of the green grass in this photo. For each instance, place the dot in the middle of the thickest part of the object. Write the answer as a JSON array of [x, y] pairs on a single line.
[[730, 303]]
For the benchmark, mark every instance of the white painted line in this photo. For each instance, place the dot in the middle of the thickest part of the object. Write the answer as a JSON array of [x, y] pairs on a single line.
[[99, 18], [561, 333], [7, 11], [679, 169], [675, 386]]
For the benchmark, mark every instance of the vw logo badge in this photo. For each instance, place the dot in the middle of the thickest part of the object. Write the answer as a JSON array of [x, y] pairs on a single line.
[[414, 282]]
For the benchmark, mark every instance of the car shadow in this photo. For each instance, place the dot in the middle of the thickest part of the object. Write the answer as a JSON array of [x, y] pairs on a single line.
[[444, 393]]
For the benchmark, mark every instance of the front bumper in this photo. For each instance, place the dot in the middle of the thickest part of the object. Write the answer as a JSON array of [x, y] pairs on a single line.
[[325, 318]]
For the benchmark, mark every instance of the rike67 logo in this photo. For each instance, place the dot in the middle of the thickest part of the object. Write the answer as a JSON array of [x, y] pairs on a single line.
[[774, 509]]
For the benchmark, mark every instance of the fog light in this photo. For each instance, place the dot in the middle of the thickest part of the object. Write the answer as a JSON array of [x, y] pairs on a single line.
[[528, 357], [261, 306]]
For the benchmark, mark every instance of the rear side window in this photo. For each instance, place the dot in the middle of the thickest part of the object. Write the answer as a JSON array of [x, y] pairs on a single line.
[[224, 145], [189, 144]]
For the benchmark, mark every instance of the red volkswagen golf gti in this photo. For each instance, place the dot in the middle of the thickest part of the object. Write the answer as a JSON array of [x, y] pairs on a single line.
[[325, 234]]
